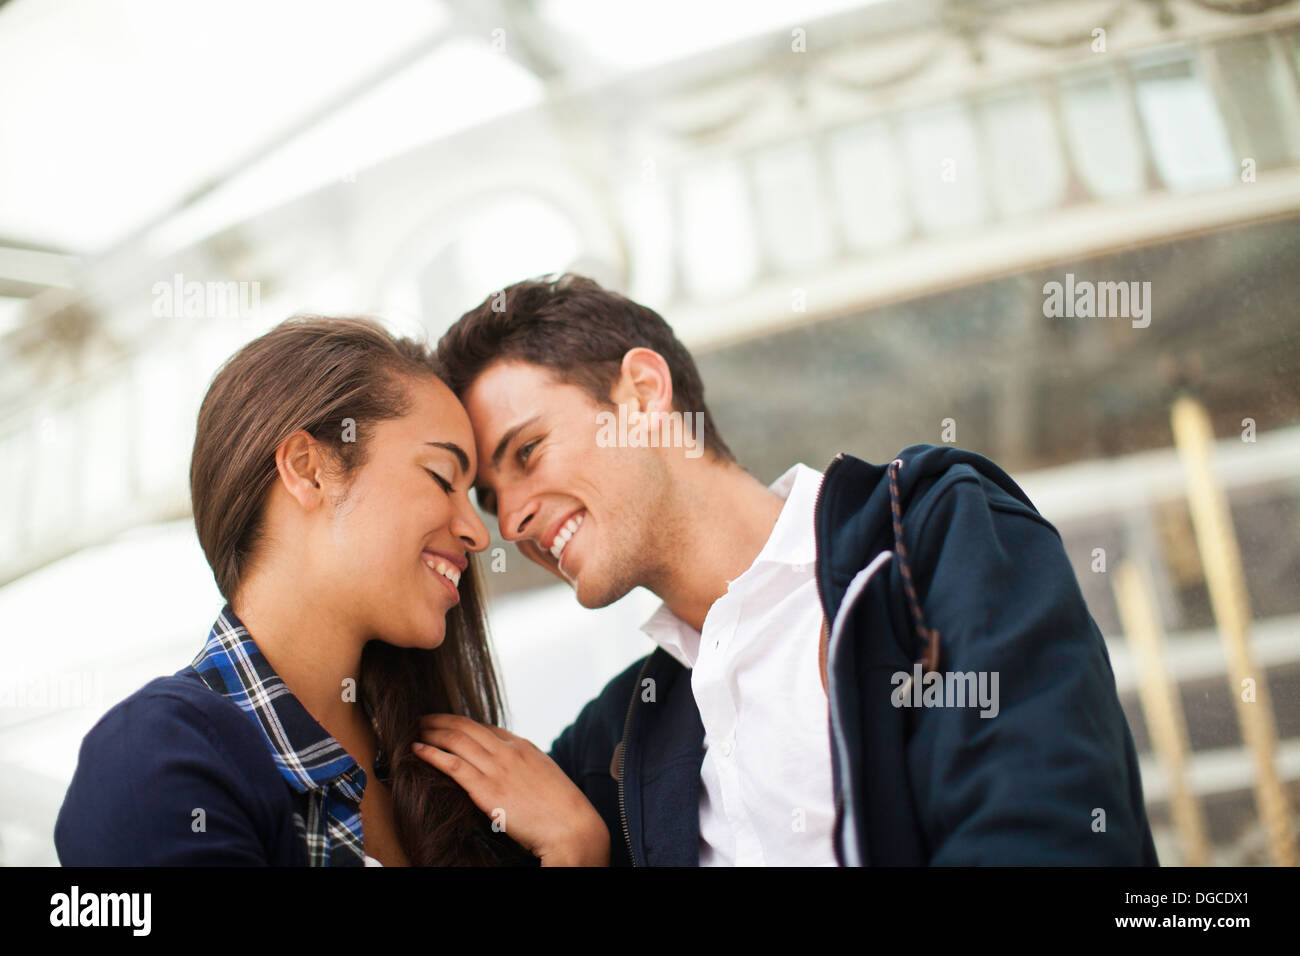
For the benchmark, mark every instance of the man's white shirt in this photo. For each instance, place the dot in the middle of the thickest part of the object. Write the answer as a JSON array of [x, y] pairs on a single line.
[[766, 793]]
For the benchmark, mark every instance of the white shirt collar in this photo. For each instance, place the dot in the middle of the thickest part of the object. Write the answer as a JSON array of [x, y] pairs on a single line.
[[792, 540], [792, 543]]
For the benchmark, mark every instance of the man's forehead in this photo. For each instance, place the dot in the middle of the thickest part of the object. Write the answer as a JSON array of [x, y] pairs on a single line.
[[505, 396], [509, 381]]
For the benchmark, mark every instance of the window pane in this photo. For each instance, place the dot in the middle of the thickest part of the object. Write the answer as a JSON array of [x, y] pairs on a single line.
[[868, 186], [787, 186], [944, 168], [15, 452], [718, 252], [106, 484], [1102, 136], [1189, 144], [163, 425], [646, 212], [1253, 107], [54, 501], [1025, 156]]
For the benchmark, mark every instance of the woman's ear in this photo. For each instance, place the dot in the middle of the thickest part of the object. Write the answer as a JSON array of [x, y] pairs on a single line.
[[299, 459]]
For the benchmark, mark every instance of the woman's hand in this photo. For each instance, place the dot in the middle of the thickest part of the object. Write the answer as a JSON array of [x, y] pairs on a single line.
[[511, 780]]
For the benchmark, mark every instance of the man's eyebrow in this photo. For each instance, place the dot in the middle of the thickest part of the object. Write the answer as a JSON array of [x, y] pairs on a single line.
[[456, 450], [507, 438]]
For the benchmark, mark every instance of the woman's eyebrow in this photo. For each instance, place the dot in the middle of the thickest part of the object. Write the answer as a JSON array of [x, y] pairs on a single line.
[[456, 450]]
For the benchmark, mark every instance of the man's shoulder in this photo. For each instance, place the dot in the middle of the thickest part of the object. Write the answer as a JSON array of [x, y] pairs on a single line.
[[611, 703], [919, 480], [587, 745]]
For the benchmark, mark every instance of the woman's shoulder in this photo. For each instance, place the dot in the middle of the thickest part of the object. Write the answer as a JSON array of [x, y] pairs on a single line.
[[181, 713], [180, 700], [183, 771]]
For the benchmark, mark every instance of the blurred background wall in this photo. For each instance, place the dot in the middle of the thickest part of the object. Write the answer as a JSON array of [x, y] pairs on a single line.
[[851, 212]]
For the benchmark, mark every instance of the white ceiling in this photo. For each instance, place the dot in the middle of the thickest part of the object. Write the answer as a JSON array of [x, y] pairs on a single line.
[[113, 111]]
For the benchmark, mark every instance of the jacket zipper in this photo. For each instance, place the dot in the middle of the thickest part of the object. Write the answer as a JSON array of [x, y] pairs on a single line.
[[817, 510], [622, 762], [839, 750], [821, 596]]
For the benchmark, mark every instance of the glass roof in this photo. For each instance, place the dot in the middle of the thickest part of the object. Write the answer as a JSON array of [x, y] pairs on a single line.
[[118, 111]]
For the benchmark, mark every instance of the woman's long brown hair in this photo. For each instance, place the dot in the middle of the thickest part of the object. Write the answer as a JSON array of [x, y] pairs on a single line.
[[326, 376]]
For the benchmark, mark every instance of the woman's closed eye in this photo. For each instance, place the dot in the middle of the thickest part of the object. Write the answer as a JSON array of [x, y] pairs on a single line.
[[526, 451], [443, 483]]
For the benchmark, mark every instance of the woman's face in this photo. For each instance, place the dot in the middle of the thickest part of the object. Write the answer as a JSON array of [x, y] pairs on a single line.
[[400, 534]]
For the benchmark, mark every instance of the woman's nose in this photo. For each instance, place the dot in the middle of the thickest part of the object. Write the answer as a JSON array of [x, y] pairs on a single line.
[[469, 527]]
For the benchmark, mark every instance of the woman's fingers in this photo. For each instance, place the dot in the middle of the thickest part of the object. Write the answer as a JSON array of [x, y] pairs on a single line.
[[481, 760], [487, 736], [462, 745], [467, 776], [542, 809]]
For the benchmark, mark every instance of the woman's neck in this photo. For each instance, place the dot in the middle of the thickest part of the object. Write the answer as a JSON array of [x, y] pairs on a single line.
[[314, 652]]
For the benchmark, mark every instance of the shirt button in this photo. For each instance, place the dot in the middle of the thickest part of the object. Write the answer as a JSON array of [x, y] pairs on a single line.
[[726, 748]]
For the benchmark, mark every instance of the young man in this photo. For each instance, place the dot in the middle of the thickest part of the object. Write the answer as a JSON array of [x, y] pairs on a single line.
[[884, 664]]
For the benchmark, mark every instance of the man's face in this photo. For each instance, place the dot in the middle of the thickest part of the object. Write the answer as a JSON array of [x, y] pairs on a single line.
[[541, 471]]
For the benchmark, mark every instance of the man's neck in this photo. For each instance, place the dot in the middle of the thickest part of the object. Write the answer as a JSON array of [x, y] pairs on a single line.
[[729, 515]]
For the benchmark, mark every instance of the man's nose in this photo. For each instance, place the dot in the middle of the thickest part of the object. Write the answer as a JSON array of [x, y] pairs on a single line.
[[520, 522]]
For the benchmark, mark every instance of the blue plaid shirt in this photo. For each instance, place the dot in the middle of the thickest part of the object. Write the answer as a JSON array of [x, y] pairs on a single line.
[[326, 781]]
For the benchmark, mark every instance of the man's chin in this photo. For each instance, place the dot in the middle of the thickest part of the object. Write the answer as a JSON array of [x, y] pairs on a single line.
[[594, 595], [589, 592]]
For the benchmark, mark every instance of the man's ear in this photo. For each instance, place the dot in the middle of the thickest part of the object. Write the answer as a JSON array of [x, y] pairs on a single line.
[[645, 382], [299, 459]]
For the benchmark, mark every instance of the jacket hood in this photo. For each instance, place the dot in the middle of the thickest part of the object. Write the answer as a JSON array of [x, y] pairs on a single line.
[[854, 515]]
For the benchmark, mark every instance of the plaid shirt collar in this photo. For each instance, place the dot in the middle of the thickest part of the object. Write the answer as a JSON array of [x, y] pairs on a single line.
[[329, 782]]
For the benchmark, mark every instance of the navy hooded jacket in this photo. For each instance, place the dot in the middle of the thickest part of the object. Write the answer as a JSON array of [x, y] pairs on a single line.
[[1048, 777]]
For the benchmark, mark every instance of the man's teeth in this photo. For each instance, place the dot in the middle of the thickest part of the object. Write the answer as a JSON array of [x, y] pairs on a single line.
[[444, 568], [561, 539]]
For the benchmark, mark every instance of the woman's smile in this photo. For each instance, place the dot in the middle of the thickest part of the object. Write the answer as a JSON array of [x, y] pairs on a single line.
[[445, 571]]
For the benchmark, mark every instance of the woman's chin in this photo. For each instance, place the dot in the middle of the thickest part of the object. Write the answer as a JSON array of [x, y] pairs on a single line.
[[434, 633], [424, 633]]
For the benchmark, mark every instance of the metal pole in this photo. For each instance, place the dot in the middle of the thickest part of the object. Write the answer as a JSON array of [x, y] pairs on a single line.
[[1161, 706], [1221, 557]]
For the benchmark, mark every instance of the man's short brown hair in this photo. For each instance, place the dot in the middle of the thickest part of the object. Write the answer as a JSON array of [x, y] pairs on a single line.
[[580, 332]]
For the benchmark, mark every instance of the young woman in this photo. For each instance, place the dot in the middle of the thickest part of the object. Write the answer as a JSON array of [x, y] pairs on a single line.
[[330, 483]]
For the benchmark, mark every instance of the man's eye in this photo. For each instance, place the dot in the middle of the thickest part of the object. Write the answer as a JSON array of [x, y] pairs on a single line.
[[527, 450], [442, 482]]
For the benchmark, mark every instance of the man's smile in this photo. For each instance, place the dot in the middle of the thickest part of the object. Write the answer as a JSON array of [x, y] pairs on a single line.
[[558, 539]]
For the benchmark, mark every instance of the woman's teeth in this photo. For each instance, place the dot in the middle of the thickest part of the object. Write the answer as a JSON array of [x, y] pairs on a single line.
[[446, 569], [567, 532]]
